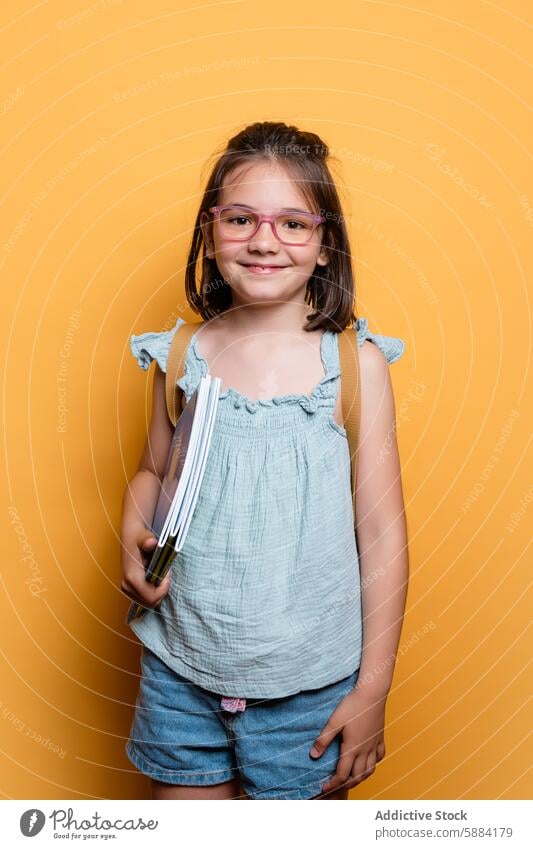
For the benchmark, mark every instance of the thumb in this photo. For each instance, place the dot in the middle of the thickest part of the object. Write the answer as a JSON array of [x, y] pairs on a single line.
[[323, 740], [148, 540]]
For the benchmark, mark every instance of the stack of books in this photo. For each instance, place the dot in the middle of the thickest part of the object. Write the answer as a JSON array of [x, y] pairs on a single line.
[[181, 482]]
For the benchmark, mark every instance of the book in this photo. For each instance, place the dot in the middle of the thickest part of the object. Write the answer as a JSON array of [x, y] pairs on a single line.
[[180, 486]]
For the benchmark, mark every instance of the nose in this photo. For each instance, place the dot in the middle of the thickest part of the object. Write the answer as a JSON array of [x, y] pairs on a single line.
[[264, 239]]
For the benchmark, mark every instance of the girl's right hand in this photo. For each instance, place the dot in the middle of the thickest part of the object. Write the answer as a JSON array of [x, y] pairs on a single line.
[[135, 558]]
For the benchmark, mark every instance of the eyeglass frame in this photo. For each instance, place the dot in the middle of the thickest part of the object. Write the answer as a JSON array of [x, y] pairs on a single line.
[[317, 219]]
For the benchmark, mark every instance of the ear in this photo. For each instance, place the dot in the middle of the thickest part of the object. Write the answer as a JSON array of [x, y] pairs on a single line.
[[322, 258], [205, 225]]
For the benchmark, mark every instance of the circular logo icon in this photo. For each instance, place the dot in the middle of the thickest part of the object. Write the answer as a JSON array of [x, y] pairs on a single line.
[[31, 822]]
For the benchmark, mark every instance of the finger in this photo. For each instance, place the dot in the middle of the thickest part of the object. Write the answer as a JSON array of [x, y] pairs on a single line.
[[342, 773], [146, 544], [323, 740], [371, 763], [147, 593], [351, 761], [361, 776], [328, 733], [154, 593], [162, 588], [359, 770], [147, 548], [135, 597]]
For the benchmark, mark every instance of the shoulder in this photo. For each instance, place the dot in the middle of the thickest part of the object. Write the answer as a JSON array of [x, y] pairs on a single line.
[[373, 364], [150, 346], [376, 353], [388, 348]]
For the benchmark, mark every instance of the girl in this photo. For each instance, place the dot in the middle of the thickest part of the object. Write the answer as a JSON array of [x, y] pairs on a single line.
[[255, 679]]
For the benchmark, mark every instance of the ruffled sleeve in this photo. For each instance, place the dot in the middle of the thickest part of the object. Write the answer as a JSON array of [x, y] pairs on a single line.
[[153, 346], [391, 346]]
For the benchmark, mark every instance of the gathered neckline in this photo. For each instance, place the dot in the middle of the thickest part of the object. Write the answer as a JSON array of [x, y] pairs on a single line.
[[309, 402]]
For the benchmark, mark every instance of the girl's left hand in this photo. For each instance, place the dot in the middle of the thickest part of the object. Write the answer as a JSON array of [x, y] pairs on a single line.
[[360, 719]]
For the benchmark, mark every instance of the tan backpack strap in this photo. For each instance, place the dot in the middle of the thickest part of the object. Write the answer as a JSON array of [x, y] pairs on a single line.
[[350, 396], [175, 365]]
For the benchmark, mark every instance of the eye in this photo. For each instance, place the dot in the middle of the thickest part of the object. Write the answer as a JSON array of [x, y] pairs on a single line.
[[297, 223], [242, 219]]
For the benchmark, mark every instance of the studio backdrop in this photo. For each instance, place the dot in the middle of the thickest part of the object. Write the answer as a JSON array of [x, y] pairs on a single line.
[[110, 114]]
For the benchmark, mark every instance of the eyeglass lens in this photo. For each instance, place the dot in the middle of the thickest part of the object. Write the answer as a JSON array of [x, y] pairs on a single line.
[[240, 223]]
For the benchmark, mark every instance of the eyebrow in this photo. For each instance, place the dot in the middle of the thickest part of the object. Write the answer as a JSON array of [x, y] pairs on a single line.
[[283, 209]]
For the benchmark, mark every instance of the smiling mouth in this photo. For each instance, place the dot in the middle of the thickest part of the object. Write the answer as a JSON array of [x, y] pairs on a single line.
[[263, 269]]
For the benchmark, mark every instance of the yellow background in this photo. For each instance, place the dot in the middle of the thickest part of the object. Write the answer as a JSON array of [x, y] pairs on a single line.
[[110, 113]]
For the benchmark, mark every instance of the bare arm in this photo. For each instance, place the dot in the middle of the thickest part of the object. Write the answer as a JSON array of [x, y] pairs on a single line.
[[382, 542], [381, 527], [139, 501], [141, 494]]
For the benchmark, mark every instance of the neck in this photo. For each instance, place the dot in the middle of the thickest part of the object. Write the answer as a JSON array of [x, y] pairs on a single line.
[[278, 317]]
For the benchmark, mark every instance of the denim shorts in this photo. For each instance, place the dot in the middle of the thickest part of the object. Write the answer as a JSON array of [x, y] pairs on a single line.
[[180, 734]]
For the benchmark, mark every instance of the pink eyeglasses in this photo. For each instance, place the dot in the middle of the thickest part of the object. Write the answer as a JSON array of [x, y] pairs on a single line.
[[238, 224]]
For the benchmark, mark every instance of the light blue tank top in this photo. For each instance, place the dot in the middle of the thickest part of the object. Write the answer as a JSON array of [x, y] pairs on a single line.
[[264, 598]]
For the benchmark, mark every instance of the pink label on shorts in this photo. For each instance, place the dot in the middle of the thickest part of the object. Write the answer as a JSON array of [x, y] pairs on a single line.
[[233, 705]]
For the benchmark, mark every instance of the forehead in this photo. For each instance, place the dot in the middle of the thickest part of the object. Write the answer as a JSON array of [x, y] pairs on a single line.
[[263, 184]]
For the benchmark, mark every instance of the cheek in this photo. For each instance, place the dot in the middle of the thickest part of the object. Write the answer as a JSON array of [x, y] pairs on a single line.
[[225, 251], [307, 257]]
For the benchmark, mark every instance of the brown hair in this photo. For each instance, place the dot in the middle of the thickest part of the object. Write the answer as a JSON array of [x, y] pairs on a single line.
[[331, 288]]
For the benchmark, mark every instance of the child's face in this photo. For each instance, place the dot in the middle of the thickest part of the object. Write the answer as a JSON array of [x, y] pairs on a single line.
[[266, 188]]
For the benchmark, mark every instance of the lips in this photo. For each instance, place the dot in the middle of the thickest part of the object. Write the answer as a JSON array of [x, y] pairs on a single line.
[[263, 269]]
